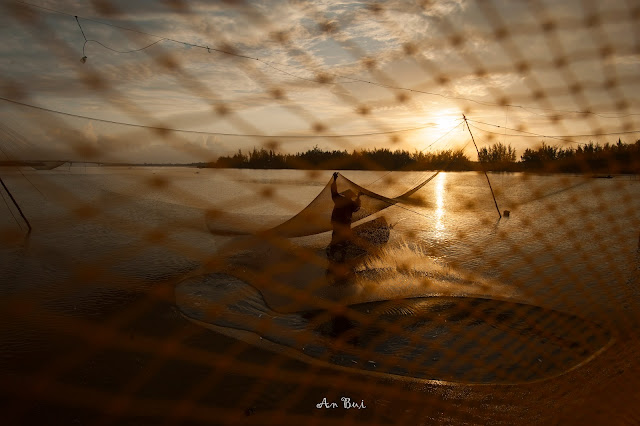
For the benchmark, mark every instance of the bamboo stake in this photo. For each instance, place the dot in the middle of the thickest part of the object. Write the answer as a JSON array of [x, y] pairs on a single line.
[[485, 172], [16, 204]]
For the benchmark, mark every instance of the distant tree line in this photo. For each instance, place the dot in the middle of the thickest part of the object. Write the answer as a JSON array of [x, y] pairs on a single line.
[[608, 158], [368, 159], [587, 158]]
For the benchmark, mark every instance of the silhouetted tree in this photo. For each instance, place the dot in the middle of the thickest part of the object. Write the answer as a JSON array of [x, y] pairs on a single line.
[[590, 158], [497, 153]]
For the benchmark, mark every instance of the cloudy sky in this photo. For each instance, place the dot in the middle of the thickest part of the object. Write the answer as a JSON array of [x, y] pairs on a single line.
[[295, 74]]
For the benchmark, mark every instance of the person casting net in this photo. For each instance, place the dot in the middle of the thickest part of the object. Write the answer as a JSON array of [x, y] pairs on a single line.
[[316, 217], [345, 205]]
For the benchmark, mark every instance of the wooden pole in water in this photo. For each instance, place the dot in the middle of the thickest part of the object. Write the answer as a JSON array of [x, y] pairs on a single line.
[[16, 204], [485, 172]]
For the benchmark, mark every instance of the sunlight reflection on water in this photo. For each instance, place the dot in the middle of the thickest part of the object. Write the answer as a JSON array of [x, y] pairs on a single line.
[[440, 210]]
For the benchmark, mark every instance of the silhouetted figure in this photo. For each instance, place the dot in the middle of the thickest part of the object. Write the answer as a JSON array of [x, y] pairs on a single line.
[[345, 205]]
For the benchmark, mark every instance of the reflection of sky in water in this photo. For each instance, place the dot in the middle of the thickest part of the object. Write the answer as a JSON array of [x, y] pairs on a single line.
[[439, 189]]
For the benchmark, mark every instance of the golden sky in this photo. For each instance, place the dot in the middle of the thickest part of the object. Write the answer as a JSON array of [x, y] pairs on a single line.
[[292, 74]]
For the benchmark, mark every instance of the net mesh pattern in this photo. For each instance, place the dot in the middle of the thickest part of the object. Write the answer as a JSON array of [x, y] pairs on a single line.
[[171, 262]]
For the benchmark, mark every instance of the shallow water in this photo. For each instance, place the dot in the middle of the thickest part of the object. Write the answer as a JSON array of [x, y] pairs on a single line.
[[105, 236]]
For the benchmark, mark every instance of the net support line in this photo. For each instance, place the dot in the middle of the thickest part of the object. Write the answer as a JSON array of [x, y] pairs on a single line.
[[483, 169], [17, 205]]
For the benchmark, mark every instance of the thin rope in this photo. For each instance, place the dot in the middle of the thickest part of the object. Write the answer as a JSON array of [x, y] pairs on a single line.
[[559, 137], [354, 79], [23, 175], [107, 47], [118, 51], [81, 30], [198, 132]]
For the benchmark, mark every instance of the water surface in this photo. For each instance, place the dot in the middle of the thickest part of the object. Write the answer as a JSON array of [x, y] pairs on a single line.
[[110, 245]]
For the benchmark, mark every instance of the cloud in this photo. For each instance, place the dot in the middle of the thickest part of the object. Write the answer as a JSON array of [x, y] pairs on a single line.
[[480, 87], [402, 44], [628, 59]]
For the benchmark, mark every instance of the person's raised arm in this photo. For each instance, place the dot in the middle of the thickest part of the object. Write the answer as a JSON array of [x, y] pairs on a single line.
[[334, 186]]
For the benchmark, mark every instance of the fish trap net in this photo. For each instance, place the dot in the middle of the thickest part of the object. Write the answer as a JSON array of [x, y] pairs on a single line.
[[248, 212]]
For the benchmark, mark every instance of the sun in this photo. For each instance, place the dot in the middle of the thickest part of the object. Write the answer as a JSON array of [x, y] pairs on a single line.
[[446, 120], [440, 124]]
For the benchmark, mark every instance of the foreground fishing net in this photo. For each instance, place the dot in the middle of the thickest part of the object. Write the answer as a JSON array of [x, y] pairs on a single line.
[[177, 265]]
